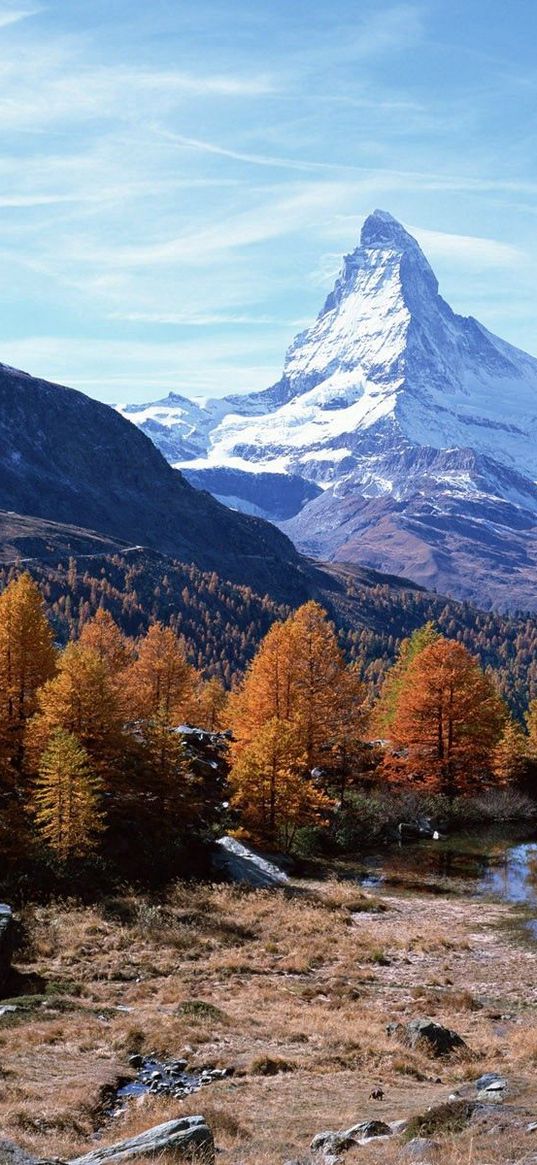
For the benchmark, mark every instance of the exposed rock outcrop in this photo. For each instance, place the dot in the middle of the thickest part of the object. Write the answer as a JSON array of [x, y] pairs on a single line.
[[189, 1136], [430, 1036]]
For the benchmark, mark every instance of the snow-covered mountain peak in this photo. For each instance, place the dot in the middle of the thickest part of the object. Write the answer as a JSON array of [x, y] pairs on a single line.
[[386, 254], [387, 397], [382, 230]]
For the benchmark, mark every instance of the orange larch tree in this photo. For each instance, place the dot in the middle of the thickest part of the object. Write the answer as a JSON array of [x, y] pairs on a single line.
[[206, 706], [298, 686], [27, 660], [448, 719], [82, 700], [160, 682], [318, 688], [103, 636], [270, 790], [510, 755]]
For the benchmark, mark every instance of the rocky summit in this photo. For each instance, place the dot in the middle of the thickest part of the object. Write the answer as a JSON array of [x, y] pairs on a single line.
[[412, 428]]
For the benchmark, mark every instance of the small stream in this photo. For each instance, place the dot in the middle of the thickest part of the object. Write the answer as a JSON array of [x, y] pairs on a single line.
[[495, 863], [164, 1078]]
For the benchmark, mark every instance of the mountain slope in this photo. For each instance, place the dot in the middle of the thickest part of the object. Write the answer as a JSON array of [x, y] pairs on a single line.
[[419, 425], [71, 460], [222, 623]]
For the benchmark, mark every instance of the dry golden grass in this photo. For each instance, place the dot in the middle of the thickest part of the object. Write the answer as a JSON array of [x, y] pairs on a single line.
[[294, 993]]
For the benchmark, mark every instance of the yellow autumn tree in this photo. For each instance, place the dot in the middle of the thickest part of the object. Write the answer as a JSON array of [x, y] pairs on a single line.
[[270, 791], [66, 802], [299, 676], [82, 700], [160, 681], [318, 682], [267, 692], [347, 758], [205, 708], [531, 725], [298, 695], [27, 660], [105, 638], [510, 754]]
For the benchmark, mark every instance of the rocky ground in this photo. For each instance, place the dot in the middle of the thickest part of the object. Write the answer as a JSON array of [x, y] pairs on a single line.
[[278, 1006]]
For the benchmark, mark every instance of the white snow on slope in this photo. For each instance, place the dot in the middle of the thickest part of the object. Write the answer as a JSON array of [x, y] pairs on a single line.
[[386, 365]]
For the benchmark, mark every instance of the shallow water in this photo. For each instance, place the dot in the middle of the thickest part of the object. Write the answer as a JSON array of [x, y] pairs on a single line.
[[492, 864]]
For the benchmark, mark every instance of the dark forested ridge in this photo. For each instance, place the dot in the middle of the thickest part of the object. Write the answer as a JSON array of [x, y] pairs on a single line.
[[223, 623]]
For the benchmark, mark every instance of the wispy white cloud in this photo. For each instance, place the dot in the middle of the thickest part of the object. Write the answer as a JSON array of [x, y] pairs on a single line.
[[164, 169], [255, 159], [467, 248], [274, 218], [202, 319], [15, 15]]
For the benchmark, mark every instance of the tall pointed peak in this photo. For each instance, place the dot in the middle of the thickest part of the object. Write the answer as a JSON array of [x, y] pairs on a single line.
[[381, 229], [381, 235]]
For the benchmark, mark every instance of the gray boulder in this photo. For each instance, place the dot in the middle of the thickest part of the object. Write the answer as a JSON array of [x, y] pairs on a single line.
[[7, 936], [491, 1088], [331, 1143], [431, 1036], [240, 863], [366, 1130], [421, 1149], [10, 1154], [188, 1136], [491, 1081], [339, 1142]]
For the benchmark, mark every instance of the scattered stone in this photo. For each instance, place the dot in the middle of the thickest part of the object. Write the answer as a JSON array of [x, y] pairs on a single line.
[[532, 1128], [338, 1142], [189, 1135], [398, 1127], [436, 1039], [369, 1129], [491, 1088], [420, 1148], [5, 1009], [170, 1078], [331, 1142], [491, 1082]]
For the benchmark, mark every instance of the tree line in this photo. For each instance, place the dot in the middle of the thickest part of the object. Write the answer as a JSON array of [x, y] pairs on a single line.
[[93, 757], [222, 624], [90, 759]]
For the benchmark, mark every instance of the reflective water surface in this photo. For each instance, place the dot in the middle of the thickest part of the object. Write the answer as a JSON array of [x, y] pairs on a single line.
[[490, 864]]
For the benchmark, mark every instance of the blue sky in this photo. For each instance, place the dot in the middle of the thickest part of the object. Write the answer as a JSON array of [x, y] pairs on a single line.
[[179, 180]]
